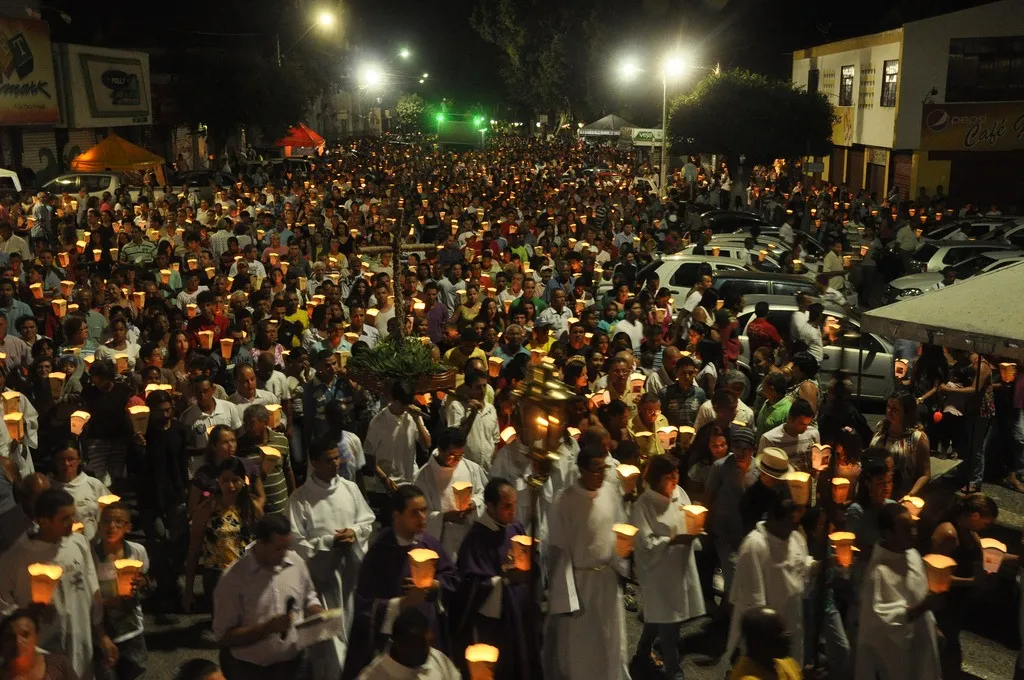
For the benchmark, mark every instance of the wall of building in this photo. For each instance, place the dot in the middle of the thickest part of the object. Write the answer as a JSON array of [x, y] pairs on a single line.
[[926, 57], [873, 124]]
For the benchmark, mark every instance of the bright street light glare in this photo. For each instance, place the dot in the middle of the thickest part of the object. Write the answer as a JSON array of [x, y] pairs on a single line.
[[404, 53], [422, 81], [425, 76], [325, 18], [629, 69], [371, 76], [675, 66]]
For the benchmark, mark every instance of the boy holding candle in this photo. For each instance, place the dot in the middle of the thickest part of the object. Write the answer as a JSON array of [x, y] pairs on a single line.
[[122, 614]]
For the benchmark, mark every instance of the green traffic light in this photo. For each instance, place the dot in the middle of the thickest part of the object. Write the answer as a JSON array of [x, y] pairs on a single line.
[[478, 120], [440, 117]]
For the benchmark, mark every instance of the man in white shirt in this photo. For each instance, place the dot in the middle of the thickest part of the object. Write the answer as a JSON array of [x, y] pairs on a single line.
[[332, 524], [410, 655], [809, 331], [557, 315], [477, 418], [248, 394], [392, 437], [795, 436], [367, 333], [449, 517], [632, 325], [208, 411], [693, 299], [255, 603]]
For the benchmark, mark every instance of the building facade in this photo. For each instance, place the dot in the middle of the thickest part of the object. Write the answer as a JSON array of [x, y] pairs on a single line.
[[936, 102]]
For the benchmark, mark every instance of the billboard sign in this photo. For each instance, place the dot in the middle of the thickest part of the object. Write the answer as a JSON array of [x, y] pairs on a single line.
[[992, 126], [107, 88], [28, 87]]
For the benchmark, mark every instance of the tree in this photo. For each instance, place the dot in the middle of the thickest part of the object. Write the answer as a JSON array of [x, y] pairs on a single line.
[[410, 109], [225, 89], [546, 50], [738, 112]]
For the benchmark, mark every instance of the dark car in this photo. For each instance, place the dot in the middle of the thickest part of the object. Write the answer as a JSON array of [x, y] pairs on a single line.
[[763, 283], [731, 221]]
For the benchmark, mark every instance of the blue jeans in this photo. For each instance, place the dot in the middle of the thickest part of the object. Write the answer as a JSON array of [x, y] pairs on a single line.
[[982, 438], [1017, 442]]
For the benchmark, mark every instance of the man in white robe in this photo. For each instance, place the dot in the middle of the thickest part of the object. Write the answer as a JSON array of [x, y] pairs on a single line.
[[773, 569], [440, 479], [332, 524], [586, 638], [512, 463], [476, 418], [74, 624], [896, 638]]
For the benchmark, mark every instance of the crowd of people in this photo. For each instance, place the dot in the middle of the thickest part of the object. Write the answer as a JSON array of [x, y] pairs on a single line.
[[179, 407]]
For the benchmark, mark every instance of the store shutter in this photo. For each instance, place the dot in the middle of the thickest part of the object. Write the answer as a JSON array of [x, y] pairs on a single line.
[[79, 141], [39, 154]]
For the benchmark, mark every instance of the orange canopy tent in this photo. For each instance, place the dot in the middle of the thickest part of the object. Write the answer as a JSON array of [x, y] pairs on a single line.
[[118, 155], [301, 136]]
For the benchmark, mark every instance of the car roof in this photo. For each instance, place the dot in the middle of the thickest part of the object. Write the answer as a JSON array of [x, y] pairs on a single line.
[[763, 276], [689, 257], [971, 244], [787, 303]]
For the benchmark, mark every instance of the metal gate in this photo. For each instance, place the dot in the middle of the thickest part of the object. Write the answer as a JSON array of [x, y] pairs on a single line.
[[39, 154]]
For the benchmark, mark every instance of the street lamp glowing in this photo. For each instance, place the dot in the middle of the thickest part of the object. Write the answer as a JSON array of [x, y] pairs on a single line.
[[425, 76], [370, 76], [422, 81], [325, 19], [675, 66], [439, 117], [405, 53], [629, 69]]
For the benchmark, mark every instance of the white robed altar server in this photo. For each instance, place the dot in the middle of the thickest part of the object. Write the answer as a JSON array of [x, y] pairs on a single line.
[[332, 524], [665, 566], [586, 628], [896, 637], [773, 569], [512, 463], [437, 479]]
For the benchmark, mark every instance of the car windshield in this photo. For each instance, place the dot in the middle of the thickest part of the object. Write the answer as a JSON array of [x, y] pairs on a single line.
[[925, 253], [972, 266]]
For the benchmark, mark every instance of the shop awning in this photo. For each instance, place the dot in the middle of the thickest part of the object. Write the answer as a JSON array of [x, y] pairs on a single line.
[[982, 313]]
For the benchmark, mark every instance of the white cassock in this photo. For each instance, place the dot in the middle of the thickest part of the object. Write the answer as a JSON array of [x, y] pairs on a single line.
[[511, 463], [889, 646], [436, 480], [70, 631], [771, 572], [483, 434], [316, 510], [587, 625], [667, 573], [437, 667]]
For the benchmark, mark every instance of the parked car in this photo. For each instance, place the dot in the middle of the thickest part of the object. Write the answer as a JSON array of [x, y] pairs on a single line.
[[764, 283], [934, 256], [873, 353], [95, 183], [10, 184], [731, 221], [968, 230], [923, 282], [1011, 231], [679, 273]]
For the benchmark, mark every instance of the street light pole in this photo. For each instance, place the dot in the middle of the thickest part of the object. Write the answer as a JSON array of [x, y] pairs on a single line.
[[663, 186]]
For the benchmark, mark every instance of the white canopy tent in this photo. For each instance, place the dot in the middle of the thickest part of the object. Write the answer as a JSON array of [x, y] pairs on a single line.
[[609, 126], [984, 313]]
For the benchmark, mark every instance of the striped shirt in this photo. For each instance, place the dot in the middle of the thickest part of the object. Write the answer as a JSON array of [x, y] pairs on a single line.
[[275, 483]]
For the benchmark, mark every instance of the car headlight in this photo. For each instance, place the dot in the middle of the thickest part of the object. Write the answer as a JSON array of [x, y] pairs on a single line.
[[910, 292]]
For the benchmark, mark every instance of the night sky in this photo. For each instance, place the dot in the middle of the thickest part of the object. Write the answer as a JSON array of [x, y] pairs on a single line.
[[758, 35]]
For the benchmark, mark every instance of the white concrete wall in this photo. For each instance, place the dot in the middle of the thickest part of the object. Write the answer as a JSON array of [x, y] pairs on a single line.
[[926, 56], [873, 124]]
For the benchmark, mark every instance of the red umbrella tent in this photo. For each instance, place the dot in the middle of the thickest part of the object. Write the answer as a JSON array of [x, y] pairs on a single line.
[[300, 136]]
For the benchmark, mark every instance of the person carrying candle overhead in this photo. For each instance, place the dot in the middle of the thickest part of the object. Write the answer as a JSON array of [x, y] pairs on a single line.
[[69, 622], [586, 638], [386, 586], [451, 504], [494, 605], [332, 524]]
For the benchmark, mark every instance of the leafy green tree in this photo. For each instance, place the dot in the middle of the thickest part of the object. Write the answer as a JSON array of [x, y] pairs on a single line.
[[410, 109], [738, 112], [546, 51]]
